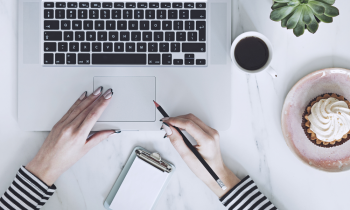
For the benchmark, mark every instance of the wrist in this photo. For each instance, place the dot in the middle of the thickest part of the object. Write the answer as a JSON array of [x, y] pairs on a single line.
[[42, 171]]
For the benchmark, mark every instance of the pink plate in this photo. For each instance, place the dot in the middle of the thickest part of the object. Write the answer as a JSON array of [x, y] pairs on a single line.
[[333, 80]]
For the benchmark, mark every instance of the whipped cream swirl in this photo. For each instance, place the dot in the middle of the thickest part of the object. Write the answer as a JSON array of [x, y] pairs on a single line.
[[330, 119]]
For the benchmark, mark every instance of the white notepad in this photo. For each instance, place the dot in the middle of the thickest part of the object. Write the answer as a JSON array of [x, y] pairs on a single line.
[[140, 188]]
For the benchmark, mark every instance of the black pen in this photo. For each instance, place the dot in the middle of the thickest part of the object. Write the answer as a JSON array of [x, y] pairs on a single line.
[[194, 150]]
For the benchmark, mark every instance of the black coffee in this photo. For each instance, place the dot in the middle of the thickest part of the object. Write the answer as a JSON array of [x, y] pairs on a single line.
[[251, 53]]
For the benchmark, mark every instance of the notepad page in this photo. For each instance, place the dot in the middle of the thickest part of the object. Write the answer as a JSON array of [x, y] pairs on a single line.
[[140, 188]]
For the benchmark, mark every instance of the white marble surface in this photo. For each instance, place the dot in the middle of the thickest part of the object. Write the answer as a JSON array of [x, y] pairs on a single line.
[[253, 145]]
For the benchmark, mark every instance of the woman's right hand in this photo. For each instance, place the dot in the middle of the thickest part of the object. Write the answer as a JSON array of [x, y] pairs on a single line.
[[208, 146]]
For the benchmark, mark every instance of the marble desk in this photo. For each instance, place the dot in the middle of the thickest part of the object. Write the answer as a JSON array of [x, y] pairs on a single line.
[[253, 145]]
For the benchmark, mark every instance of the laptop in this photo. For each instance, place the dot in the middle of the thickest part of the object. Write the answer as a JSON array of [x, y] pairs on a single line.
[[173, 52]]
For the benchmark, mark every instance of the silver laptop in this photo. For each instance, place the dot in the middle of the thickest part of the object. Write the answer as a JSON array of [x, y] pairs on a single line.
[[176, 53]]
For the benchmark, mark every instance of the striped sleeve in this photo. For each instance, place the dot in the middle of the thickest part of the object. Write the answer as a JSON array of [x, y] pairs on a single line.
[[26, 192], [246, 196]]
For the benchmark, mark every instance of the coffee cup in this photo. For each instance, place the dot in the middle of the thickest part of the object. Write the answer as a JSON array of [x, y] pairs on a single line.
[[248, 39]]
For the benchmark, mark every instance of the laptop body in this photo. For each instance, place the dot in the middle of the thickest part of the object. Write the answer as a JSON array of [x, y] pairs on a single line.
[[50, 79]]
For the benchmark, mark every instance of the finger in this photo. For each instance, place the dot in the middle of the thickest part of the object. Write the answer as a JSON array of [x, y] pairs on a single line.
[[83, 105], [97, 138], [179, 144], [77, 102]]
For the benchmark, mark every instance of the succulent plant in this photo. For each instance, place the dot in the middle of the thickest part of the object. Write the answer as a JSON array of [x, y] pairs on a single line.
[[301, 14]]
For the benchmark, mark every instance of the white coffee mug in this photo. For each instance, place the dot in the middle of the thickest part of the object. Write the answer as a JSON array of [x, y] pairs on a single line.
[[267, 67]]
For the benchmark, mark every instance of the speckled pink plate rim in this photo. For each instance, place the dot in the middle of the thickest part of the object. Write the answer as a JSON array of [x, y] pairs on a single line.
[[331, 80]]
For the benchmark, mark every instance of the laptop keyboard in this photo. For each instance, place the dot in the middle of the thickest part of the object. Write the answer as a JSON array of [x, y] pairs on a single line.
[[124, 33]]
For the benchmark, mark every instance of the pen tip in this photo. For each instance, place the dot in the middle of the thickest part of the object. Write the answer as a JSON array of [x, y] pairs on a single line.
[[155, 103]]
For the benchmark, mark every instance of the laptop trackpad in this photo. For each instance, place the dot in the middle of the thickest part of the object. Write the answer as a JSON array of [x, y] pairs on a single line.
[[132, 100]]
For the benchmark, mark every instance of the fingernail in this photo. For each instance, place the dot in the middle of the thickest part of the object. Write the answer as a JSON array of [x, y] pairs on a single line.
[[98, 91], [165, 136], [167, 129], [117, 131], [164, 119], [83, 96], [108, 94]]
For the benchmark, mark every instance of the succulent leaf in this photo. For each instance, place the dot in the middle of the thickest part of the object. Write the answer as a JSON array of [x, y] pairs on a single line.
[[294, 3], [278, 5], [330, 2], [325, 18], [313, 26], [282, 1], [307, 13], [282, 12], [317, 9], [300, 28], [330, 11], [294, 19], [285, 20]]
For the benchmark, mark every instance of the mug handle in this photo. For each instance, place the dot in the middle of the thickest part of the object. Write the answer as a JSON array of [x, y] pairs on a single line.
[[272, 72]]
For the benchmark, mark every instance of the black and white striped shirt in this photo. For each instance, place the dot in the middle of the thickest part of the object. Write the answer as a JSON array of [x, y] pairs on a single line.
[[29, 192]]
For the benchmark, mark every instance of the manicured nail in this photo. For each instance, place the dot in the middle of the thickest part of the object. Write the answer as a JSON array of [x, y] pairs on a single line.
[[108, 94], [167, 129], [98, 91], [165, 136], [83, 96], [117, 131], [164, 119]]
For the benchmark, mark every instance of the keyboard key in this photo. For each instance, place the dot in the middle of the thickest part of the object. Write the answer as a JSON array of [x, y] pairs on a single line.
[[178, 62], [138, 14], [79, 36], [91, 36], [121, 25], [127, 14], [161, 14], [118, 47], [107, 47], [60, 5], [53, 36], [198, 14], [189, 61], [155, 25], [84, 58], [50, 46], [200, 61], [59, 58], [123, 59], [72, 5], [88, 25], [133, 25], [193, 47], [102, 36], [147, 36], [116, 14], [74, 47], [95, 5], [76, 25], [62, 46], [113, 36], [189, 56], [96, 47], [189, 5], [164, 47], [124, 36], [71, 58], [105, 14], [110, 25], [178, 25], [135, 36], [169, 36], [177, 5], [166, 59], [65, 24], [158, 36], [71, 14], [184, 14], [167, 25], [192, 36], [60, 14], [49, 5], [141, 5], [130, 5], [141, 47], [180, 36], [107, 5], [172, 14], [154, 59], [165, 5], [201, 27], [93, 14], [51, 25], [68, 36], [82, 14], [130, 47], [189, 25], [118, 5], [84, 5], [201, 5], [99, 25], [150, 14], [144, 25], [175, 47], [152, 47], [153, 5], [85, 46], [48, 13], [48, 58]]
